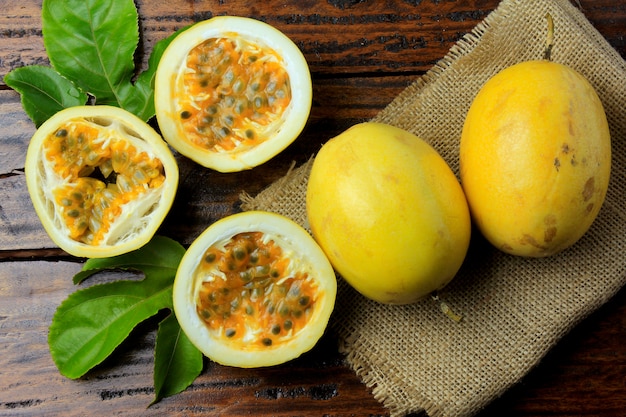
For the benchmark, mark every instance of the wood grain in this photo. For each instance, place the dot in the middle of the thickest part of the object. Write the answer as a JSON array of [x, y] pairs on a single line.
[[30, 384], [362, 54], [336, 36]]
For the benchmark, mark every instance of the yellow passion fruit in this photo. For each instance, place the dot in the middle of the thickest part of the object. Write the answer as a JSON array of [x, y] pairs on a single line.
[[535, 158], [232, 92], [388, 212], [254, 290], [101, 180]]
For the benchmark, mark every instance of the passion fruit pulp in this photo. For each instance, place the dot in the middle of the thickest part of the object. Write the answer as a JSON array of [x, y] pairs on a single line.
[[232, 92], [254, 290], [101, 180]]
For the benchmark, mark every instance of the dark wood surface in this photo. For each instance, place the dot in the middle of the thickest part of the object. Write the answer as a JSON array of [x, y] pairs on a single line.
[[362, 53]]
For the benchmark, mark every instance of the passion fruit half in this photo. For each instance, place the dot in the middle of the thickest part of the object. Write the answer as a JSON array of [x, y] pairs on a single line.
[[101, 180], [232, 92], [253, 290]]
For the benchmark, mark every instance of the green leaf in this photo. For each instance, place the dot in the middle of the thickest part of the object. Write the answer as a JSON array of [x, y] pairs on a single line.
[[44, 91], [159, 252], [177, 362], [91, 323], [145, 80], [86, 58], [92, 42]]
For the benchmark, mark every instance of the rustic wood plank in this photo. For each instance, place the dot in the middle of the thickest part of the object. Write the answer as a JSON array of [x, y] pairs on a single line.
[[15, 133], [21, 40], [20, 227], [319, 382], [337, 36]]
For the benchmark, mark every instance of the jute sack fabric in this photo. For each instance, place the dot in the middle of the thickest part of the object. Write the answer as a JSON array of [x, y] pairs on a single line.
[[514, 309]]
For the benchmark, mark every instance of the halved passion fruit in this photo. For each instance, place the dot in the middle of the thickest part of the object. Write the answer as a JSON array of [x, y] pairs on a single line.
[[232, 92], [254, 290], [101, 180]]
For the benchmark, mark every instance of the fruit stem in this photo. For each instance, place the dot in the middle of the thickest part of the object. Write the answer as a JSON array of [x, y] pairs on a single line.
[[547, 53], [445, 308]]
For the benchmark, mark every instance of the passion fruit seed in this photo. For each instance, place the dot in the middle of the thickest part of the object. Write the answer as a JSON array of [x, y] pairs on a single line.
[[230, 87], [100, 172], [249, 292]]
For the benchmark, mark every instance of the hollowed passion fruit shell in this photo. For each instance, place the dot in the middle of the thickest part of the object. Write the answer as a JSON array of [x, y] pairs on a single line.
[[254, 290], [232, 92], [101, 180]]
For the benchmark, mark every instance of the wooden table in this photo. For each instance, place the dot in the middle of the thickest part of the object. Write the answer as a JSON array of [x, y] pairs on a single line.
[[361, 54]]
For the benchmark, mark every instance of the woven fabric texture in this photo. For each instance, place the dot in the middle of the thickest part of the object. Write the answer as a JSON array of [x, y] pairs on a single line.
[[514, 309]]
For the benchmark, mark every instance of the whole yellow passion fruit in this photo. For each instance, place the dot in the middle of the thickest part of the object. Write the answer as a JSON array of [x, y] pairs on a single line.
[[254, 289], [535, 158], [388, 212], [232, 92]]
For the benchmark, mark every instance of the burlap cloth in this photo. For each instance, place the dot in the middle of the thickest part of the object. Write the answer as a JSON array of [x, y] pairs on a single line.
[[514, 310]]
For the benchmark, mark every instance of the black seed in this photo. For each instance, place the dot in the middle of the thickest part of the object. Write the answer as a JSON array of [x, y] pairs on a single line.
[[275, 273], [267, 341], [249, 133], [210, 258], [61, 133], [297, 313], [303, 301], [185, 114], [230, 332], [205, 314], [239, 253], [73, 213], [288, 324], [276, 329]]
